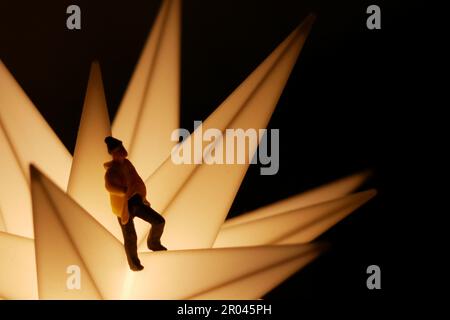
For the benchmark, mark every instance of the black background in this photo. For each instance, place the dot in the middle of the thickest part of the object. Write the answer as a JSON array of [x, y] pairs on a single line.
[[344, 109]]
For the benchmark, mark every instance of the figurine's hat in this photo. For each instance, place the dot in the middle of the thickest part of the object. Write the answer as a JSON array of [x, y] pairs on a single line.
[[112, 143]]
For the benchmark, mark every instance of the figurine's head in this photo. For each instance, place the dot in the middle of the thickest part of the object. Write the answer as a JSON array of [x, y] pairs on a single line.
[[116, 148]]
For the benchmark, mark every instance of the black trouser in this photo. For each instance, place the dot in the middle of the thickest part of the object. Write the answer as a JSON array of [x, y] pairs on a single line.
[[137, 208]]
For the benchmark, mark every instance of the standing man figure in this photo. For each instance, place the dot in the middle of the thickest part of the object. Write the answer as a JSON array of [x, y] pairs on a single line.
[[128, 200]]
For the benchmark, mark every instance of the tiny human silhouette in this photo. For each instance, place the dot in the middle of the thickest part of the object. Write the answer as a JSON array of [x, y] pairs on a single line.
[[128, 200]]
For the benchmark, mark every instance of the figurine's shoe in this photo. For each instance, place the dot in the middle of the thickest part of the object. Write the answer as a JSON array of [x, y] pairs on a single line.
[[136, 266], [156, 246]]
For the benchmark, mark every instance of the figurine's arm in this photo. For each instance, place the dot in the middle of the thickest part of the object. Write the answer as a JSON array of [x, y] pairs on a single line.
[[113, 184], [125, 217], [140, 187]]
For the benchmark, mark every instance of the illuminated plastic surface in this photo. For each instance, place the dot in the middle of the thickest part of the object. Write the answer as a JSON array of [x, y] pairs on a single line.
[[149, 111], [181, 193], [87, 183], [17, 267], [297, 226], [15, 211], [188, 273], [329, 191], [29, 134]]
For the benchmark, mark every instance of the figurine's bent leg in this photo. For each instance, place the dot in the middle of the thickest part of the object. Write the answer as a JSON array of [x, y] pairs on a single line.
[[130, 243], [158, 224], [156, 220]]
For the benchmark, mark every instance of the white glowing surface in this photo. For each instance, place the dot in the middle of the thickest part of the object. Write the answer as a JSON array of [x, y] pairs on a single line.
[[2, 223], [327, 192], [29, 134], [303, 225], [181, 190], [16, 215], [18, 279], [149, 111], [87, 183]]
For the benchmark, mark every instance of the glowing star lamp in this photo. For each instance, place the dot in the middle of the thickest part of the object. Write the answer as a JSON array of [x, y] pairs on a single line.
[[54, 210]]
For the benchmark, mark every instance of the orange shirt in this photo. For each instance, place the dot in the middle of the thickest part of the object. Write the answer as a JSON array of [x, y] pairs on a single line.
[[122, 181]]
